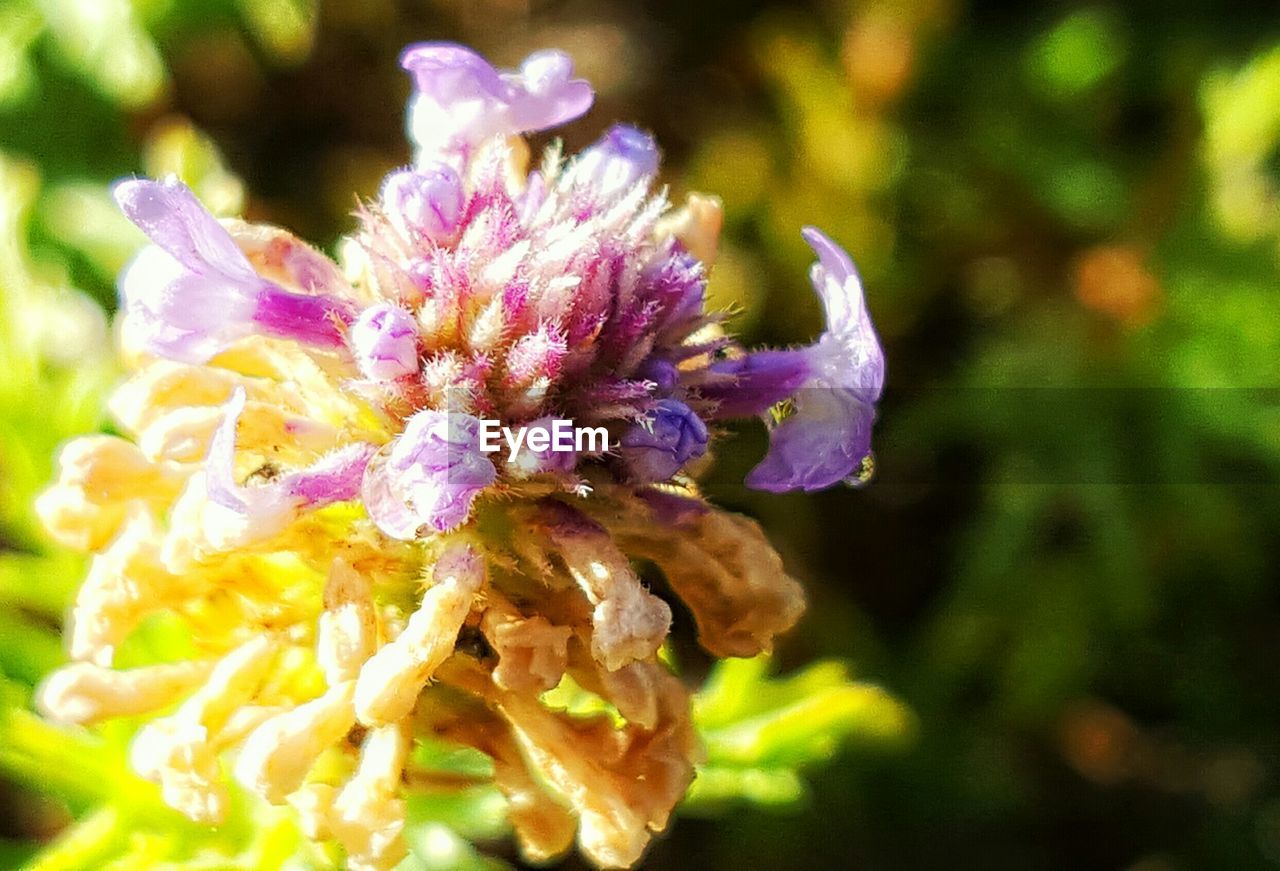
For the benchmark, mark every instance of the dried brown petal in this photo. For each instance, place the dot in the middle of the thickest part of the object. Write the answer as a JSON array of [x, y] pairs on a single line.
[[531, 650], [180, 752], [628, 622], [720, 564]]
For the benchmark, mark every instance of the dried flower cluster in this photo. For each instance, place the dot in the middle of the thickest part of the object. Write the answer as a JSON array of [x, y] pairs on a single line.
[[302, 486]]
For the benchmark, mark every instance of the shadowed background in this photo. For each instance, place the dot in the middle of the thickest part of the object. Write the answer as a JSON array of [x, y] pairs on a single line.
[[1071, 585]]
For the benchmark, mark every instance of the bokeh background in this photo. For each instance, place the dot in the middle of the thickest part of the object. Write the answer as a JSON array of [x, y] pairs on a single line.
[[1067, 216]]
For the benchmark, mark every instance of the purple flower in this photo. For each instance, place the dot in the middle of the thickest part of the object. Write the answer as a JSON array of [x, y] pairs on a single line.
[[430, 476], [384, 341], [193, 293], [657, 448], [618, 161], [265, 508], [829, 434], [424, 204], [460, 100]]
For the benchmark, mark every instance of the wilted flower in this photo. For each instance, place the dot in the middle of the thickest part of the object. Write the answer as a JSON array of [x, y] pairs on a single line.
[[308, 489]]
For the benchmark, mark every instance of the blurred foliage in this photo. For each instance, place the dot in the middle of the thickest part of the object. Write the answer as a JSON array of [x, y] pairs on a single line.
[[1068, 218]]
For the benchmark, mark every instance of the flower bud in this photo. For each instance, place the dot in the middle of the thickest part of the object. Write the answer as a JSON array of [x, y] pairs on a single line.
[[657, 448], [618, 160], [431, 475], [425, 203], [384, 340]]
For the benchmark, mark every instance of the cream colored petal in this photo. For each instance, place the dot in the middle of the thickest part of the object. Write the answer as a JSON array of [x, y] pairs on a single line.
[[280, 752], [101, 480], [180, 752], [368, 814], [348, 632], [125, 583], [697, 225], [391, 680], [83, 693]]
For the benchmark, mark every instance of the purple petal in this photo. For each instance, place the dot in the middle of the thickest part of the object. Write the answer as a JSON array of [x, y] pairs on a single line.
[[335, 478], [448, 72], [849, 354], [461, 100], [821, 444], [424, 204], [829, 435], [546, 94], [173, 218], [755, 382], [662, 373], [311, 320], [386, 506], [678, 285], [194, 293], [180, 314], [267, 506]]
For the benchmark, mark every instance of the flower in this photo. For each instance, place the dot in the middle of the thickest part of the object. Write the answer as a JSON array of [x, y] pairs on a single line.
[[621, 159], [460, 100], [829, 435], [302, 484], [424, 204], [265, 509], [194, 292], [431, 476]]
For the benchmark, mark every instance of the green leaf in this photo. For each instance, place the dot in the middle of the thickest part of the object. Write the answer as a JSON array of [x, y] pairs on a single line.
[[761, 731]]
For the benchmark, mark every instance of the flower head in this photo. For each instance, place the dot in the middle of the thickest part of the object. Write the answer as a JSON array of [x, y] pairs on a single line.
[[306, 488]]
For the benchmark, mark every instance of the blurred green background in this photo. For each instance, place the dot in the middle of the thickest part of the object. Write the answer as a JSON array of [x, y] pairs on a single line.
[[1067, 216]]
